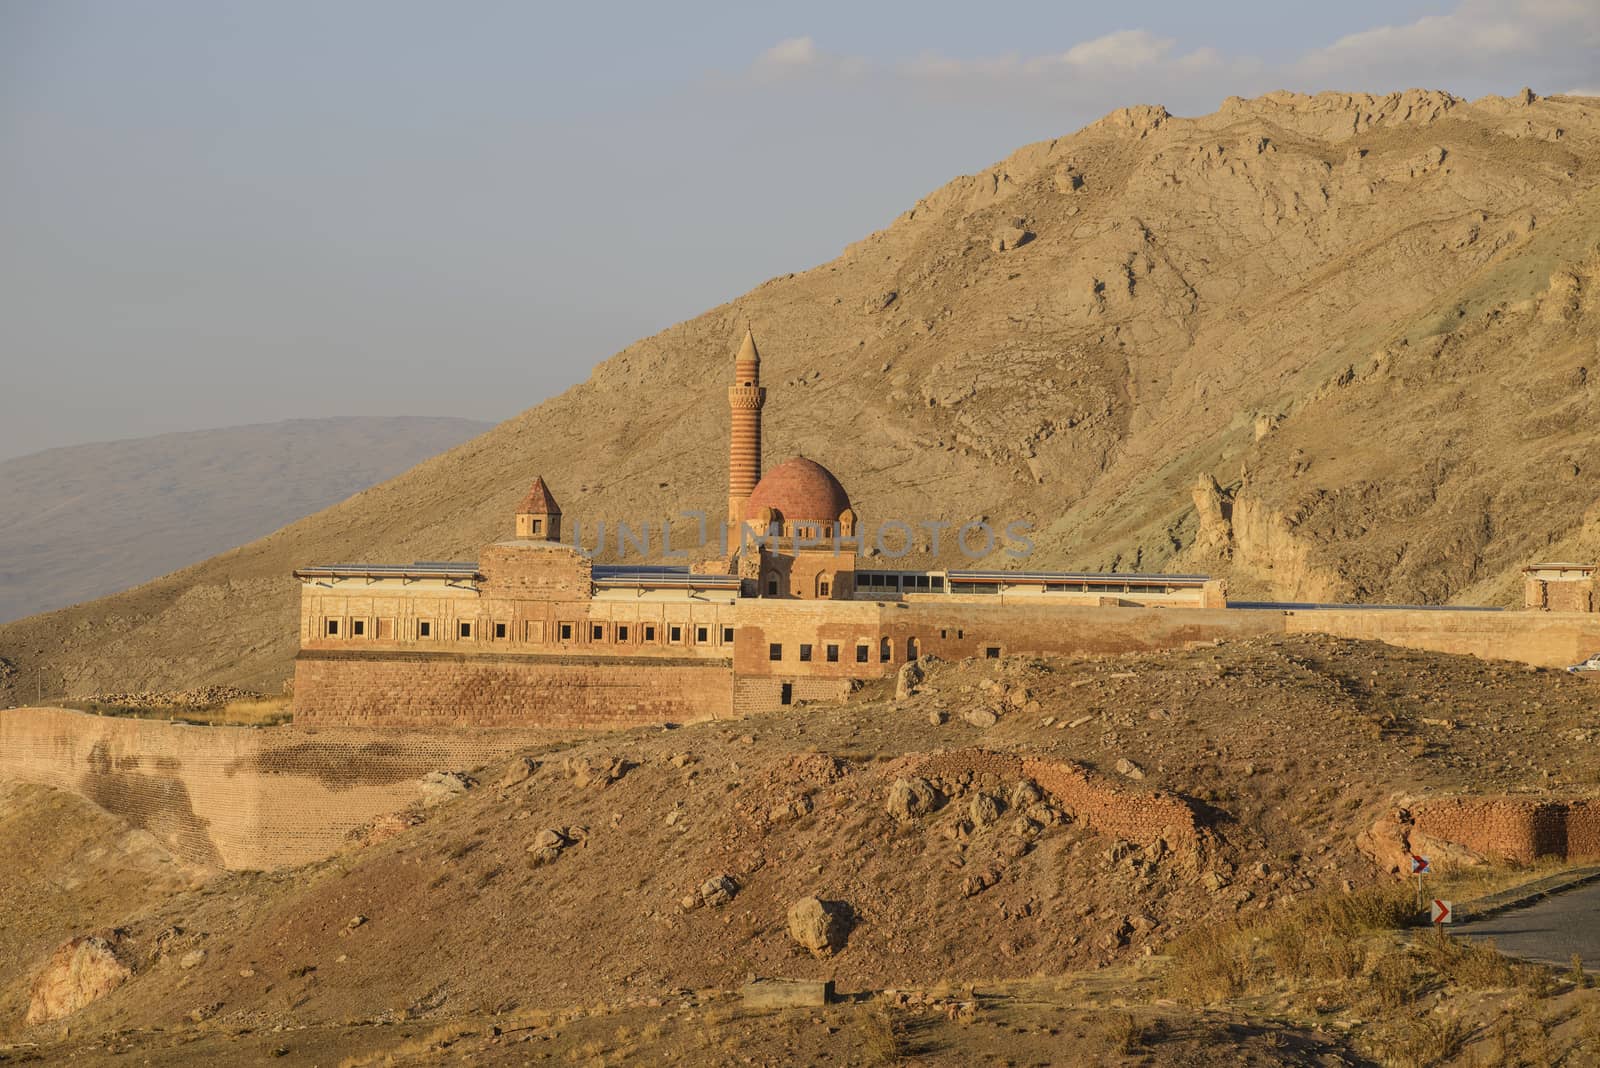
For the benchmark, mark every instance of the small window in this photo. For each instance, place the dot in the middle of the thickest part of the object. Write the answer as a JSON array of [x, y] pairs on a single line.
[[538, 526], [772, 585], [333, 628], [863, 652], [702, 635], [774, 651], [727, 635], [938, 582], [566, 632], [786, 693], [464, 630], [805, 652], [358, 628], [385, 630], [992, 652], [833, 654], [500, 631], [424, 628], [622, 632], [597, 632], [823, 588], [944, 634], [675, 634], [649, 633], [959, 633]]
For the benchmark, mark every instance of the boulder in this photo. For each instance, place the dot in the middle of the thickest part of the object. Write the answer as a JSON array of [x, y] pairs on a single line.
[[1129, 769], [907, 680], [1010, 237], [80, 971], [982, 718], [818, 926], [910, 798], [520, 769], [983, 809], [718, 890], [441, 786]]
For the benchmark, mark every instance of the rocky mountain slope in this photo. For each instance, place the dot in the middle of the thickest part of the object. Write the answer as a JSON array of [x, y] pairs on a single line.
[[88, 520], [1331, 346]]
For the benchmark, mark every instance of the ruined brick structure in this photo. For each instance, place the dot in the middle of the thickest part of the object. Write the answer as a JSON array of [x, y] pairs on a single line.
[[1515, 828]]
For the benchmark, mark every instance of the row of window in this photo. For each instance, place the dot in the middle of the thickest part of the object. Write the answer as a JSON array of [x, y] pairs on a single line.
[[533, 631], [649, 633], [877, 580]]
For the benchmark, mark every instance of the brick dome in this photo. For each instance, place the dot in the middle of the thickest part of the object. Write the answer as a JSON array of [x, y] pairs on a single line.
[[799, 489]]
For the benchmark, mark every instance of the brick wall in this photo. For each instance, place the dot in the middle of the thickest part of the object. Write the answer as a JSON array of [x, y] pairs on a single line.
[[1100, 804], [237, 797], [424, 689], [1514, 828], [1544, 639], [765, 693]]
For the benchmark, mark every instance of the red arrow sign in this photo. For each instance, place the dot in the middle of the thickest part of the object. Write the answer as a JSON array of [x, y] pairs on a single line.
[[1419, 865], [1443, 911]]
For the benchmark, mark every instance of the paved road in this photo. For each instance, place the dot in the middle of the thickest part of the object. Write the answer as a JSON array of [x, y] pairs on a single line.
[[1550, 931]]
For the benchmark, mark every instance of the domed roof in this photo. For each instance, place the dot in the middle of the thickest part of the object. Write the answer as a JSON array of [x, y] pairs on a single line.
[[799, 489]]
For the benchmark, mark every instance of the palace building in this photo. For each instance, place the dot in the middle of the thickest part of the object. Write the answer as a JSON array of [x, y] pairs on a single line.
[[534, 633]]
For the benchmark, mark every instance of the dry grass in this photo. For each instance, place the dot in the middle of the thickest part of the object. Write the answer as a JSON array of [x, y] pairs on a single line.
[[261, 712]]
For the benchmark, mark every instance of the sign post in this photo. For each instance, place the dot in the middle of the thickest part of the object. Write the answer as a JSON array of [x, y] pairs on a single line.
[[1420, 866], [1443, 912]]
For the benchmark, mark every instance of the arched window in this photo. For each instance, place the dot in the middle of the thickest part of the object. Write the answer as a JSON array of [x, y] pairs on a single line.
[[911, 648], [825, 585], [885, 651]]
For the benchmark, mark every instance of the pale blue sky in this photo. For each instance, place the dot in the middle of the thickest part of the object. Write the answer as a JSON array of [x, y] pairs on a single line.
[[218, 212]]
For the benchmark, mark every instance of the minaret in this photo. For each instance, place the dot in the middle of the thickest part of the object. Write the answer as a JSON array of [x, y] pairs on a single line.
[[745, 398], [539, 516]]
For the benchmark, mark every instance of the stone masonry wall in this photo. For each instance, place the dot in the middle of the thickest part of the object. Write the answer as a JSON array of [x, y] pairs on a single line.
[[1514, 828], [237, 797], [1100, 804], [421, 689]]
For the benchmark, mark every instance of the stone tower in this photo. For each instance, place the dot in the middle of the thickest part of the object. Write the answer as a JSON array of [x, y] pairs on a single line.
[[539, 516], [745, 399]]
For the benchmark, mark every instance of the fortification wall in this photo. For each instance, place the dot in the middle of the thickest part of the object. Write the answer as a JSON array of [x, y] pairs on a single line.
[[432, 690], [1100, 804], [1514, 828], [236, 797], [1546, 639]]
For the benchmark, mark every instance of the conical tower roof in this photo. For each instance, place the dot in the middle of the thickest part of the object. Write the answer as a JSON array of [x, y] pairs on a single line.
[[538, 501], [747, 350]]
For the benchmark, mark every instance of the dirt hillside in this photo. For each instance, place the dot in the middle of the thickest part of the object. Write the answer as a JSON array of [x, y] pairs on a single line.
[[559, 880], [1369, 320]]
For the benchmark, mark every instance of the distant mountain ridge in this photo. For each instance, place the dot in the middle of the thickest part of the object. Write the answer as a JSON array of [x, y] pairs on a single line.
[[86, 520], [1334, 347]]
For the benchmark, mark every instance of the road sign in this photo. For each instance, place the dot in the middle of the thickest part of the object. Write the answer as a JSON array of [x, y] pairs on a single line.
[[1419, 865], [1444, 911]]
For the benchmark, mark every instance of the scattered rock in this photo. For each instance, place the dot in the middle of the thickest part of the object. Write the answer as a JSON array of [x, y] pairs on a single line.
[[520, 769], [1009, 238], [984, 810], [818, 926], [979, 881], [910, 798], [982, 718], [718, 890], [192, 959], [441, 786], [907, 680], [547, 845], [1129, 769], [595, 771], [938, 716]]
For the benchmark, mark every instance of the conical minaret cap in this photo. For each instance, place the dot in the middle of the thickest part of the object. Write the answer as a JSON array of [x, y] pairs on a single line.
[[747, 350]]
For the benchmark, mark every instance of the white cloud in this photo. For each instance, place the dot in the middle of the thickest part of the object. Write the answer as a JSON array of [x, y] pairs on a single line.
[[1479, 46], [795, 57], [790, 53], [1123, 50]]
